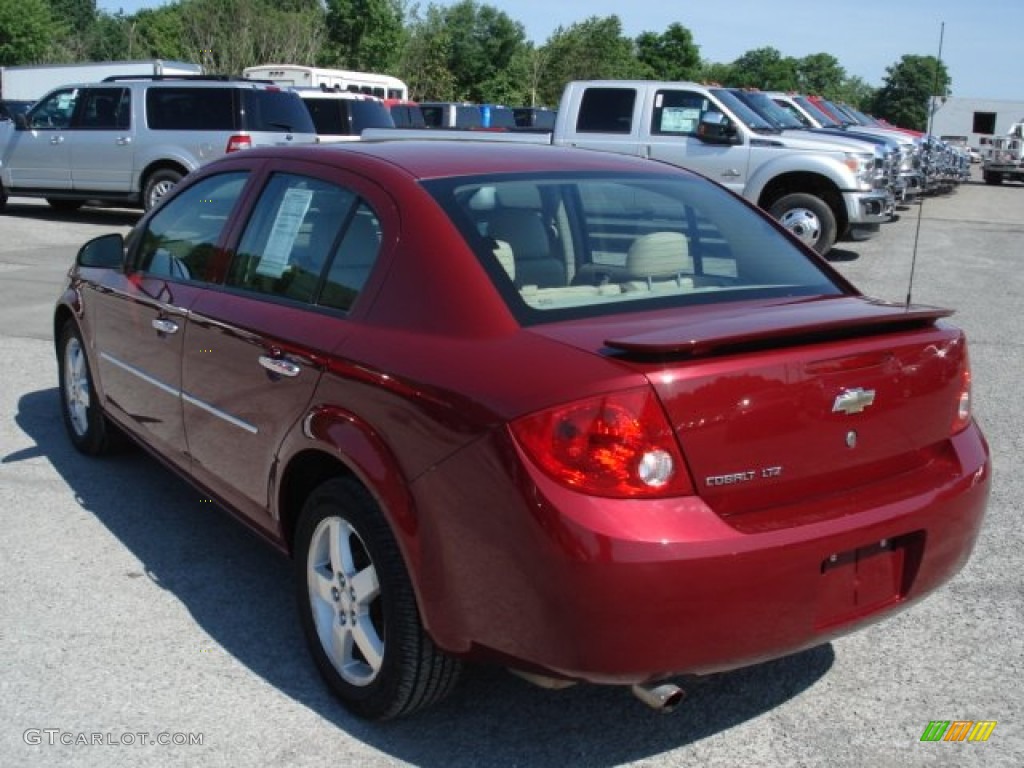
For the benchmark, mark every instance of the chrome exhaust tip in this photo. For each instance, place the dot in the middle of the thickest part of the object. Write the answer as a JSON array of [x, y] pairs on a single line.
[[663, 697]]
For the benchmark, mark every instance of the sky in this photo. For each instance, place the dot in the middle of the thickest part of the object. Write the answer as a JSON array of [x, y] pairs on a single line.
[[981, 42]]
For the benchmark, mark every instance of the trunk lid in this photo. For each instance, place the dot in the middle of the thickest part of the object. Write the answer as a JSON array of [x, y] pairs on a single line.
[[778, 403]]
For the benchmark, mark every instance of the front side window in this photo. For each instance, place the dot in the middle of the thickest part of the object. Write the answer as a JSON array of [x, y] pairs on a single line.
[[574, 245], [308, 240], [55, 111], [180, 241], [678, 113]]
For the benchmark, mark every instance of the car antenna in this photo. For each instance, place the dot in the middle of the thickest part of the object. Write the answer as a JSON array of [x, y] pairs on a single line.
[[928, 134]]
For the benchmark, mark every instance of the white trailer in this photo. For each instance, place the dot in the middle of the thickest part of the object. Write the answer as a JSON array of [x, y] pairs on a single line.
[[30, 83]]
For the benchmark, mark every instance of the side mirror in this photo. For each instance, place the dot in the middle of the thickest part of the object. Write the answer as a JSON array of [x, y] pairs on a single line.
[[716, 128], [21, 121], [105, 252]]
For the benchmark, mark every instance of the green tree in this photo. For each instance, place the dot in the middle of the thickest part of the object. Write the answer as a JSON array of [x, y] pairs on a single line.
[[907, 90], [484, 45], [109, 38], [858, 93], [365, 35], [821, 74], [226, 36], [26, 29], [158, 33], [591, 49], [77, 17], [423, 64], [715, 72], [764, 68], [672, 55]]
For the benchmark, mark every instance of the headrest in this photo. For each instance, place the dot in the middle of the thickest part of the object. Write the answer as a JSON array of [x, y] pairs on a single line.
[[659, 254], [519, 195], [523, 230]]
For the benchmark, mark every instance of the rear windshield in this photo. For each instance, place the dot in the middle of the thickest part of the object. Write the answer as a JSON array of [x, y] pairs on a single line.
[[562, 246], [275, 111], [370, 114], [343, 117]]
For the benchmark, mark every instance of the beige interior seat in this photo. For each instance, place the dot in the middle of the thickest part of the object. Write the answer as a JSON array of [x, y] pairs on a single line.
[[524, 232]]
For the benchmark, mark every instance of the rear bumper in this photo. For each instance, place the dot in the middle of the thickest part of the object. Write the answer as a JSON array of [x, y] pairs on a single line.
[[622, 592]]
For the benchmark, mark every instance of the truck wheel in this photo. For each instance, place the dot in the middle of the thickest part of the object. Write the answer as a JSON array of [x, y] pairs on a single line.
[[808, 218], [993, 178], [158, 185], [358, 610]]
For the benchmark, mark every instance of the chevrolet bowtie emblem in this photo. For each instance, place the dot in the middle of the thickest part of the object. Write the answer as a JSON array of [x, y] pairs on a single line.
[[852, 401]]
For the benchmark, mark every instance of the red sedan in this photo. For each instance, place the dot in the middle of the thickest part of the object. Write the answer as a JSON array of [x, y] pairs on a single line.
[[586, 416]]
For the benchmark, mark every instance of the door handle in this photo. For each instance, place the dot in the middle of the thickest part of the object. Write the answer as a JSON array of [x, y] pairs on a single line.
[[165, 326], [280, 365], [731, 173], [123, 140], [56, 139]]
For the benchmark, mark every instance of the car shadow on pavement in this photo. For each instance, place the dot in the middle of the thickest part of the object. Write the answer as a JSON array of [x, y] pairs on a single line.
[[200, 554], [841, 255], [114, 217]]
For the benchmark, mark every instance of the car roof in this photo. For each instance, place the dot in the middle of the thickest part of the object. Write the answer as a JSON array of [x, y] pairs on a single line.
[[446, 158], [145, 81], [319, 93]]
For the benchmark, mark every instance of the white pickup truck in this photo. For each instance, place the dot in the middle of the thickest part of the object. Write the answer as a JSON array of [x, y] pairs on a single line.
[[1005, 160], [819, 188]]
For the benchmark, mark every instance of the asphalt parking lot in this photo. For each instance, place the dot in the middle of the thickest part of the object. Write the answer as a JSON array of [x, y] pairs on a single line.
[[134, 613]]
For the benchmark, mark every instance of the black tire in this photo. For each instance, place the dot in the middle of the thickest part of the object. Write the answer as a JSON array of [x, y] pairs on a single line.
[[3, 198], [993, 178], [64, 206], [808, 219], [401, 670], [158, 184], [86, 425]]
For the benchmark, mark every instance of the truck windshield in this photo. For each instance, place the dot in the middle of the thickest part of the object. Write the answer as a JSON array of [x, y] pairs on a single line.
[[768, 109], [817, 114], [749, 117]]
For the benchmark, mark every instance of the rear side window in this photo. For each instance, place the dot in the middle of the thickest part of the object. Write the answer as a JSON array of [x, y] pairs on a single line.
[[181, 239], [105, 109], [191, 109], [606, 110], [275, 111]]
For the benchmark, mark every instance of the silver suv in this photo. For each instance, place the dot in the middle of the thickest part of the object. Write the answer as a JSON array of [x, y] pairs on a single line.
[[127, 141]]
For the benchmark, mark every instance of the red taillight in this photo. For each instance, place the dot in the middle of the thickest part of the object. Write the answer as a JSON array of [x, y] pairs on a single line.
[[962, 416], [236, 143], [618, 445]]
